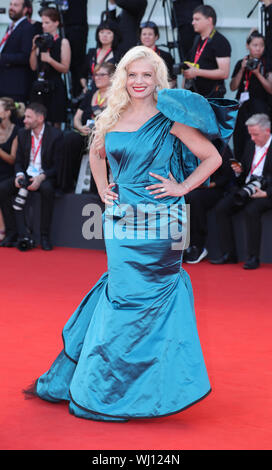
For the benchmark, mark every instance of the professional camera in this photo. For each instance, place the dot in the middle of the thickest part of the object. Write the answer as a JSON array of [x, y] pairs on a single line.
[[41, 86], [20, 199], [252, 63], [243, 194], [44, 42]]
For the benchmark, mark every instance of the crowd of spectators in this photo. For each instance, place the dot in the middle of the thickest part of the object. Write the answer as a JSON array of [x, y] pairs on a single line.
[[52, 88]]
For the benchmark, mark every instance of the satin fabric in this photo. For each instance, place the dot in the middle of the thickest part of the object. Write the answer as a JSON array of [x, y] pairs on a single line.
[[131, 349]]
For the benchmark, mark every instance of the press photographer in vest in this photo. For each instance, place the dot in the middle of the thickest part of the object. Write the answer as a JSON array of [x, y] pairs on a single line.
[[251, 194], [208, 63]]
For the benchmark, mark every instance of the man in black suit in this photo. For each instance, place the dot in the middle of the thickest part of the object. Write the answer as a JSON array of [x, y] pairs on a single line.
[[256, 162], [39, 148], [128, 21], [15, 48]]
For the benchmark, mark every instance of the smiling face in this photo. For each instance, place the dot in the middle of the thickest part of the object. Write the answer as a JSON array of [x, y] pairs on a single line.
[[148, 37], [141, 79]]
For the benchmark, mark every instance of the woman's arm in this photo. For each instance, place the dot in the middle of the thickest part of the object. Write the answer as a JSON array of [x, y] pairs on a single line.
[[10, 157], [203, 149], [64, 65], [236, 80], [33, 59], [98, 166]]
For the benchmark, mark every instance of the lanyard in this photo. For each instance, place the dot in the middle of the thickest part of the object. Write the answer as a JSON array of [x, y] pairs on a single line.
[[97, 54], [100, 100], [7, 35], [33, 150], [253, 168], [199, 50], [248, 77]]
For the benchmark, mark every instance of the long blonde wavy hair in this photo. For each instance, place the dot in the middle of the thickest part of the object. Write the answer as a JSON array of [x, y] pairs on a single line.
[[118, 98]]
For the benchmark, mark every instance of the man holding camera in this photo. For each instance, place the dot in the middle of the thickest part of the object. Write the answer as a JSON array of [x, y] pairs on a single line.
[[252, 193], [39, 146], [209, 59], [15, 48]]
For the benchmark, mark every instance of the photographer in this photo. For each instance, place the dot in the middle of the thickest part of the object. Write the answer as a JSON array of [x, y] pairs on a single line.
[[107, 39], [209, 59], [149, 34], [50, 58], [76, 142], [252, 193], [39, 149], [253, 81]]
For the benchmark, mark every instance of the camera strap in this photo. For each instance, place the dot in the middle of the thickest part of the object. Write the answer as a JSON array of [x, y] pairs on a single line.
[[97, 55], [253, 167], [199, 50]]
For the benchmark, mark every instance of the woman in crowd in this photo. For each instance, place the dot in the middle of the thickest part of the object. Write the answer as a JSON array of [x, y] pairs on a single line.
[[50, 61], [149, 34], [10, 112], [253, 81], [75, 143], [135, 331], [107, 37]]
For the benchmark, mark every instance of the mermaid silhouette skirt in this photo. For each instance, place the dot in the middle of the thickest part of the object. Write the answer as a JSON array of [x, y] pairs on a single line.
[[131, 349]]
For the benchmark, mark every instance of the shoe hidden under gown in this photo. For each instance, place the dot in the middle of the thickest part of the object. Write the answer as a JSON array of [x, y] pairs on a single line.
[[131, 349]]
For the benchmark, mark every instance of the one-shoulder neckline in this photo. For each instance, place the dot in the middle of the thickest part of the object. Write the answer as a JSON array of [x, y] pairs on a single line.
[[137, 130]]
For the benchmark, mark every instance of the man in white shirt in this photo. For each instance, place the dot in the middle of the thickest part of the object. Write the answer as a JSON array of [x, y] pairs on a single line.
[[38, 153], [252, 193]]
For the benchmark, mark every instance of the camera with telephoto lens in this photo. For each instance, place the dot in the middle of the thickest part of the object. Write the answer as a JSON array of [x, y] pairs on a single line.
[[244, 194], [20, 199], [25, 243], [44, 42], [252, 63]]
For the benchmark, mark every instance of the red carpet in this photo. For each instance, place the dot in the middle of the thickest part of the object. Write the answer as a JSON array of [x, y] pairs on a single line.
[[39, 292]]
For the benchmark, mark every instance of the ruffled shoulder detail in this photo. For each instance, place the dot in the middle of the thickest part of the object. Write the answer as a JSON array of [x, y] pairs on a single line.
[[214, 117], [188, 108]]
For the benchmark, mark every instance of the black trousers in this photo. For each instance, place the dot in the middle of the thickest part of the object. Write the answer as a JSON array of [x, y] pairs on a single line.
[[201, 200], [15, 220], [252, 211]]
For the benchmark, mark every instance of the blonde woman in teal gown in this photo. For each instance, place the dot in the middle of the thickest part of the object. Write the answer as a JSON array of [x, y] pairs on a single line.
[[131, 349]]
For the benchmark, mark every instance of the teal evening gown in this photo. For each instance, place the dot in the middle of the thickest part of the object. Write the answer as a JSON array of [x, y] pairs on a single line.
[[131, 349]]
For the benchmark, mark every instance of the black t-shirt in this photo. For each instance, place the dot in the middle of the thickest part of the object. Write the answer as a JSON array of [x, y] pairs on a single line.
[[255, 88], [217, 47]]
